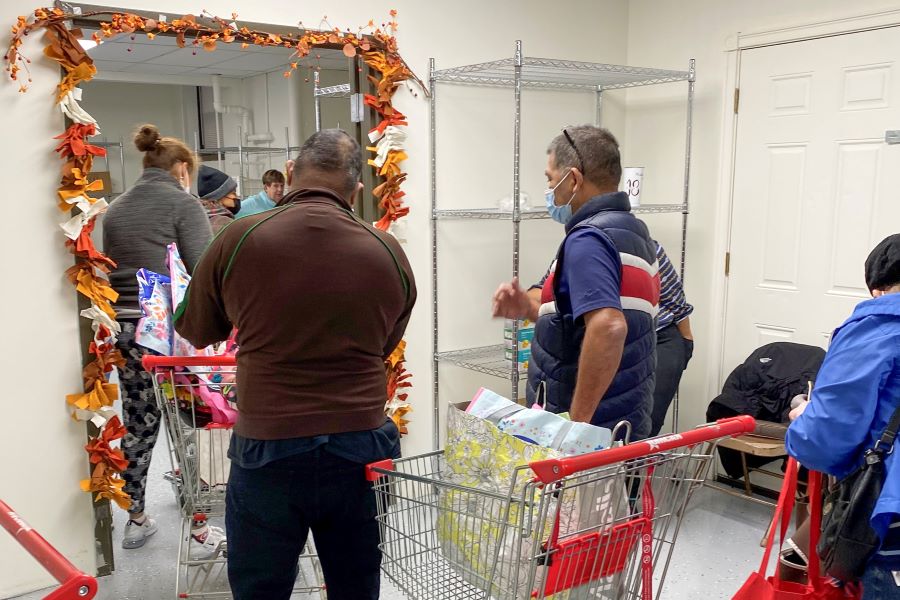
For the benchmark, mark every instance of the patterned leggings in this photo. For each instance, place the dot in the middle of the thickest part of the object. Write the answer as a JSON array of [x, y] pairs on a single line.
[[141, 416]]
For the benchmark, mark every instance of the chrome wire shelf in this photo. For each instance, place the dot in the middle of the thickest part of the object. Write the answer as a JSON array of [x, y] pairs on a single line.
[[335, 91], [534, 213], [243, 150], [520, 72], [559, 74], [490, 213], [489, 360], [659, 208]]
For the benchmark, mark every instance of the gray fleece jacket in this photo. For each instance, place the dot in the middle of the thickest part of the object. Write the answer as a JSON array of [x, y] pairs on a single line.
[[142, 222]]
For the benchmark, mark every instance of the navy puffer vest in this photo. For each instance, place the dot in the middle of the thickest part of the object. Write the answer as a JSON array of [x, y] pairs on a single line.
[[556, 347]]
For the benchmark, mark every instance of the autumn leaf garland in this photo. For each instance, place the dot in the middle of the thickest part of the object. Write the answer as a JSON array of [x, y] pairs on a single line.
[[378, 48]]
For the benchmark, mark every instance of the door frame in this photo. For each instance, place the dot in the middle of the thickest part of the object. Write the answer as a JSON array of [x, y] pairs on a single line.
[[735, 45]]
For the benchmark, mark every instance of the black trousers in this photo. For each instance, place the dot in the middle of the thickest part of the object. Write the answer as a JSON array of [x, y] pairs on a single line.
[[673, 353], [271, 510]]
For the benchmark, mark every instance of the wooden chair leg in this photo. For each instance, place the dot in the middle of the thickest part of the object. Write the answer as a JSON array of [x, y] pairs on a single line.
[[747, 487]]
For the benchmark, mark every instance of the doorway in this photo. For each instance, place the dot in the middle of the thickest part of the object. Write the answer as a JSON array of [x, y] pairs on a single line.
[[814, 184]]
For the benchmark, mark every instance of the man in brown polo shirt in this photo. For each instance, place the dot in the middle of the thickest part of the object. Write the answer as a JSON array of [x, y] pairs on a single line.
[[319, 299]]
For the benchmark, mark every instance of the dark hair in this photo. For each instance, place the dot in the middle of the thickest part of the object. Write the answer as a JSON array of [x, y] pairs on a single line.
[[598, 150], [333, 153], [162, 152], [883, 264], [273, 176]]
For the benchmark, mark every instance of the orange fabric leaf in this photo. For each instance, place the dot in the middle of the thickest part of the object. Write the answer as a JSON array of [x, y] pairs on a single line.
[[73, 141], [102, 394], [105, 483], [99, 449], [93, 287]]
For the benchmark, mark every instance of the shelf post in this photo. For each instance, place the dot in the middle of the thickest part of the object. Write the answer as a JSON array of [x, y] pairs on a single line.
[[599, 116], [684, 213], [287, 146], [687, 164], [517, 135], [240, 149], [432, 150], [121, 163], [317, 101]]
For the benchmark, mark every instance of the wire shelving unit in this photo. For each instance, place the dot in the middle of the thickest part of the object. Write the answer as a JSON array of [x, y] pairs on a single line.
[[520, 73]]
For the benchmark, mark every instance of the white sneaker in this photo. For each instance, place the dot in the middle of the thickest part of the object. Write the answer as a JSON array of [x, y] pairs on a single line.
[[207, 545], [136, 534]]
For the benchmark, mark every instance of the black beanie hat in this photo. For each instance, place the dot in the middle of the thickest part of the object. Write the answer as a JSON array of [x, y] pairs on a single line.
[[883, 264], [213, 184]]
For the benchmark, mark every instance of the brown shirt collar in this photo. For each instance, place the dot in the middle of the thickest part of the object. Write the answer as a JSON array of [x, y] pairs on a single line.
[[304, 194]]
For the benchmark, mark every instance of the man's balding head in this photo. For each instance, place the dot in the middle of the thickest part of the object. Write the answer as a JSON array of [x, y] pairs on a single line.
[[331, 159]]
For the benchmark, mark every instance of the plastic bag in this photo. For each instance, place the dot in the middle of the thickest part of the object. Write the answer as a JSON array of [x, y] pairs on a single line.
[[538, 426], [154, 329]]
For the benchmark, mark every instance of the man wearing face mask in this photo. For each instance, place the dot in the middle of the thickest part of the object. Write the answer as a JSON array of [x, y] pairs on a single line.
[[593, 353], [218, 194]]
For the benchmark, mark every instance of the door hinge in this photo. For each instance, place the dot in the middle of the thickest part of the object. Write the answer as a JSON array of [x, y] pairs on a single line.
[[737, 99], [727, 263]]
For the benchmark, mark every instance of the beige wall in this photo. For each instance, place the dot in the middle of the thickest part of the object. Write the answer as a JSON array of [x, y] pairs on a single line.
[[474, 142], [266, 95], [41, 455], [667, 34], [42, 449], [121, 108]]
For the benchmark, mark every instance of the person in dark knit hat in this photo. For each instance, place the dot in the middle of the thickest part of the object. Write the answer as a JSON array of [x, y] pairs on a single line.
[[883, 266], [856, 393], [218, 194]]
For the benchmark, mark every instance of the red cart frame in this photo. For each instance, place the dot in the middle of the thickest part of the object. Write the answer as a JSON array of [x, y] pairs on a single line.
[[74, 584]]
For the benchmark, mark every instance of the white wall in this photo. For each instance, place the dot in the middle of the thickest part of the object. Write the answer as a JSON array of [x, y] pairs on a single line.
[[45, 488], [41, 447], [665, 35], [266, 95], [121, 108], [598, 34]]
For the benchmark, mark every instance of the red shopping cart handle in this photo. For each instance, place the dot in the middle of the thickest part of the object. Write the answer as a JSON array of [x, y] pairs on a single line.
[[554, 469], [73, 583], [151, 362]]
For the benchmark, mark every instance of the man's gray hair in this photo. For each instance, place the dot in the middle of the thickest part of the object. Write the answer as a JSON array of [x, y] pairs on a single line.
[[592, 150], [331, 152]]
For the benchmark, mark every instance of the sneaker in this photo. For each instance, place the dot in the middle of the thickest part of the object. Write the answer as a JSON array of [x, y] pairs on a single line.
[[136, 534], [208, 544]]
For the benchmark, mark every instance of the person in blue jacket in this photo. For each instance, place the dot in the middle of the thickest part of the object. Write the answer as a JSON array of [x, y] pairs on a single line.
[[272, 193], [855, 395]]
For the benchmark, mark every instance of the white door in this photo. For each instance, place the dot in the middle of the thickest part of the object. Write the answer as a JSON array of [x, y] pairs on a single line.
[[816, 186]]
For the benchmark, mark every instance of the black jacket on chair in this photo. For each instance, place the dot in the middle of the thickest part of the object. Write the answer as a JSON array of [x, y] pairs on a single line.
[[765, 383], [762, 387]]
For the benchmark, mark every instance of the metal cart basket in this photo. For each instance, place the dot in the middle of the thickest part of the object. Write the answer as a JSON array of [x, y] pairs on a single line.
[[598, 525]]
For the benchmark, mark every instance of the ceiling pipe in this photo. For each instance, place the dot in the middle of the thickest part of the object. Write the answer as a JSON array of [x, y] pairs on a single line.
[[242, 111]]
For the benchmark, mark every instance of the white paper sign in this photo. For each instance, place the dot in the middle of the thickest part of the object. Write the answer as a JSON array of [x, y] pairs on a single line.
[[633, 180]]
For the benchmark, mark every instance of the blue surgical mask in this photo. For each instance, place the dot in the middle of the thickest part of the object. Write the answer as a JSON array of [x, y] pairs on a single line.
[[560, 214]]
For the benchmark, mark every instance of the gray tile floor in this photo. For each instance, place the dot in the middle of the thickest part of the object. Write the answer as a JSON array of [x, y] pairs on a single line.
[[717, 548]]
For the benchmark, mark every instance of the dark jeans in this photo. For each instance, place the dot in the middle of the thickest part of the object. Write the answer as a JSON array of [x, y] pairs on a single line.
[[878, 583], [271, 510], [673, 353]]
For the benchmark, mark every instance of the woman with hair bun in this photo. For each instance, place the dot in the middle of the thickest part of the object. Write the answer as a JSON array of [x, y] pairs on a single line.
[[156, 211]]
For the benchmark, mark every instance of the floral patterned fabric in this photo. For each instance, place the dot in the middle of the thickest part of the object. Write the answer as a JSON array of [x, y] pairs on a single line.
[[472, 525], [480, 530]]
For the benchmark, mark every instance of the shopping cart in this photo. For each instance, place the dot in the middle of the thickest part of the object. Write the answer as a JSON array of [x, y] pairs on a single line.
[[74, 585], [193, 394], [599, 525]]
